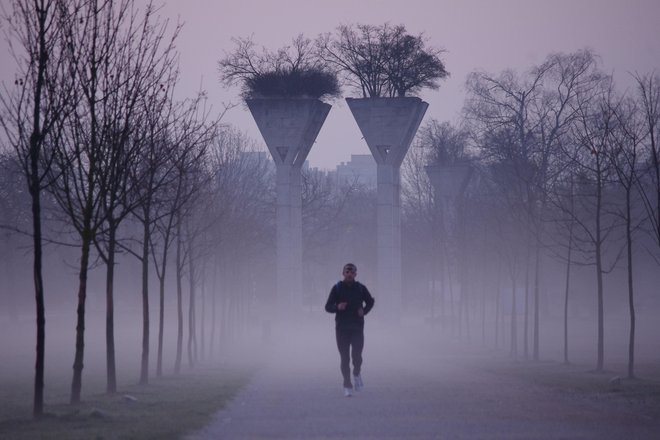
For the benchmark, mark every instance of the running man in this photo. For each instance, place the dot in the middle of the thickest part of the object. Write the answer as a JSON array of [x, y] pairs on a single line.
[[350, 301]]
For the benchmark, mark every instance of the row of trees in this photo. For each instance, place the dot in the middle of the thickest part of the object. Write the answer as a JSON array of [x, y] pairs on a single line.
[[92, 126], [565, 171]]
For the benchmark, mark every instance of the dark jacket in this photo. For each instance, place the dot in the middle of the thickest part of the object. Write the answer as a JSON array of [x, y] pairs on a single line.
[[356, 296]]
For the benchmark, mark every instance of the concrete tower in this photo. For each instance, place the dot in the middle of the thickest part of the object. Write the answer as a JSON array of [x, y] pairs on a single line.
[[388, 125], [289, 127]]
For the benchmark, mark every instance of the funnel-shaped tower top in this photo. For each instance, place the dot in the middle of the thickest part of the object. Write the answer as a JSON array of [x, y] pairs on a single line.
[[388, 125], [289, 126]]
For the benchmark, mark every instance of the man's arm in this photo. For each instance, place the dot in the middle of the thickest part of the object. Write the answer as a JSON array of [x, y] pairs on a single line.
[[331, 304], [368, 300]]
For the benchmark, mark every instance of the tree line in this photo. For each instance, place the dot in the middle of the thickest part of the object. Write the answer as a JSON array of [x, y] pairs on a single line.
[[564, 174], [97, 148]]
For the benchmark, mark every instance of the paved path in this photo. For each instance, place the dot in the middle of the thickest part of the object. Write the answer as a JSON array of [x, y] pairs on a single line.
[[298, 395]]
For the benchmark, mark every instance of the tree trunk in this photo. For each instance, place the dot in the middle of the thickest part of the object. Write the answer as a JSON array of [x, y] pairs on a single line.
[[443, 306], [631, 303], [566, 291], [214, 308], [537, 276], [161, 309], [452, 303], [526, 319], [483, 318], [36, 139], [463, 270], [38, 404], [431, 284], [599, 279], [201, 311], [514, 323], [222, 331], [161, 294], [161, 323], [179, 298], [191, 307], [109, 317], [144, 365], [76, 385], [497, 308], [599, 274]]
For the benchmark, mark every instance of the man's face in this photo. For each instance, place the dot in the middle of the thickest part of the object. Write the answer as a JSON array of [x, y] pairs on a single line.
[[349, 273]]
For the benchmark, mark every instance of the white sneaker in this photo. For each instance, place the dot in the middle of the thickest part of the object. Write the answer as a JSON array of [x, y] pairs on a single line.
[[357, 380], [348, 392]]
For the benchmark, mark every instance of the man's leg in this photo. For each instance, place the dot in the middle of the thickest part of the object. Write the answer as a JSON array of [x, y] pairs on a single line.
[[343, 344], [357, 344]]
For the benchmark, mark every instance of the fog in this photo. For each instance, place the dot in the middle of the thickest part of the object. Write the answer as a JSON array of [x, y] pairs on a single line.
[[296, 348], [160, 220], [235, 303]]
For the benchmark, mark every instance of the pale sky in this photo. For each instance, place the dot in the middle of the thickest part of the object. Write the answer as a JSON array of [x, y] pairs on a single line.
[[489, 35]]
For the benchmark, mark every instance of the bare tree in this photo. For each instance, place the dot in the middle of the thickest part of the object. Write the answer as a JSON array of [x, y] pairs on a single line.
[[503, 105], [168, 133], [628, 136], [196, 133], [34, 110], [562, 193], [568, 76], [384, 60], [538, 110], [177, 137], [145, 65], [295, 70], [109, 52], [152, 174], [442, 148], [198, 220], [588, 151], [509, 220], [419, 218], [171, 140], [648, 92], [239, 238], [190, 133]]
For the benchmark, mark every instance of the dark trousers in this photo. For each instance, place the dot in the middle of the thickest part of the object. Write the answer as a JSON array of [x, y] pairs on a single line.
[[350, 342]]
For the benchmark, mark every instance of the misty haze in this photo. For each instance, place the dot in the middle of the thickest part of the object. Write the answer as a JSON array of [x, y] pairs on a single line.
[[371, 220]]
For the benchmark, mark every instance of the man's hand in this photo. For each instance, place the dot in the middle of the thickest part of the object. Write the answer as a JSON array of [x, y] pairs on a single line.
[[342, 306], [361, 312]]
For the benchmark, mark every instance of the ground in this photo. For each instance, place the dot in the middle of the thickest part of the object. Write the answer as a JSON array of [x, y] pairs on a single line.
[[420, 383], [418, 388]]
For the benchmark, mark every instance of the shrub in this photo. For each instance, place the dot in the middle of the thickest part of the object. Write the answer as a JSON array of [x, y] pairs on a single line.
[[310, 83], [294, 71]]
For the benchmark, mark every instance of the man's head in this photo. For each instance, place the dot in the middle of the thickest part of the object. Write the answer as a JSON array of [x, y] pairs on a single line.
[[349, 272]]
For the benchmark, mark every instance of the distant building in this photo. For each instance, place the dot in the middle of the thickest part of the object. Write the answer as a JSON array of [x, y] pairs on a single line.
[[258, 157], [360, 170], [265, 157]]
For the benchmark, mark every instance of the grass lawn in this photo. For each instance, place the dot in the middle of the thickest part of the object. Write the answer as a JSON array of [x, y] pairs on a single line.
[[607, 387], [167, 408]]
